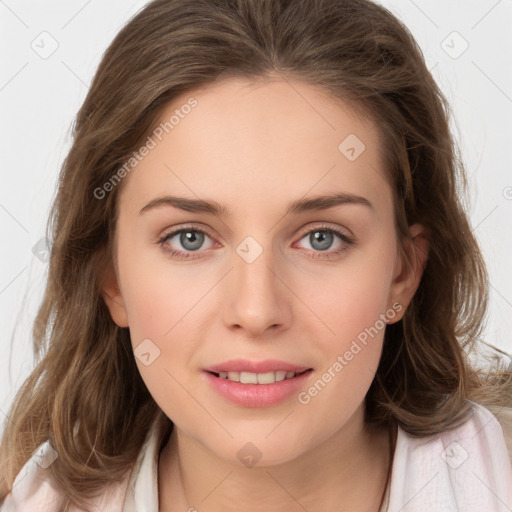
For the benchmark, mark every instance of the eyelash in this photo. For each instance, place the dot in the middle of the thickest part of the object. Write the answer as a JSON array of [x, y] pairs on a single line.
[[181, 255]]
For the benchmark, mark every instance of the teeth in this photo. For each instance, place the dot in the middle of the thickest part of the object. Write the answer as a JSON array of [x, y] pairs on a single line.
[[257, 378], [246, 377], [280, 375]]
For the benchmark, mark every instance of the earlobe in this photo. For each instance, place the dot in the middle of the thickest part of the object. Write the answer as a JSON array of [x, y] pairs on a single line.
[[113, 298], [410, 269]]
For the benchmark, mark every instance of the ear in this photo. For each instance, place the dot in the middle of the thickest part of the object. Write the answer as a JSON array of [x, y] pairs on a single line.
[[409, 269], [113, 298]]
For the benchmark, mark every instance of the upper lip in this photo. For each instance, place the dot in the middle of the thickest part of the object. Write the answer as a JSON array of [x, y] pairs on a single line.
[[244, 365]]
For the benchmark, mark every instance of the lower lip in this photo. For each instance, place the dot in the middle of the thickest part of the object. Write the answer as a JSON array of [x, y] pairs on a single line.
[[257, 395]]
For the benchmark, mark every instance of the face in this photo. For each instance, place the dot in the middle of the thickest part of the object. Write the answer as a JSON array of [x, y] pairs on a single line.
[[312, 288]]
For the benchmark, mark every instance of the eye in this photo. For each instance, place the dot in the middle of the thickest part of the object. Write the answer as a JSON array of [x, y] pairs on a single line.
[[190, 240], [321, 239], [182, 243]]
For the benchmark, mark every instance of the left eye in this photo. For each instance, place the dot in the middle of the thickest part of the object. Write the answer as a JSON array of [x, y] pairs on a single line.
[[321, 239]]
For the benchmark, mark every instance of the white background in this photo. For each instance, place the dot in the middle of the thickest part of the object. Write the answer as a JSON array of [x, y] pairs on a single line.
[[39, 98]]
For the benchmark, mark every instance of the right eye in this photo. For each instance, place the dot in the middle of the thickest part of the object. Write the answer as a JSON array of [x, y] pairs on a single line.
[[190, 239]]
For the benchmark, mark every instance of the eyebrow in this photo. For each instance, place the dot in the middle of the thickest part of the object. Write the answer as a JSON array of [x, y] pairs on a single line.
[[323, 202]]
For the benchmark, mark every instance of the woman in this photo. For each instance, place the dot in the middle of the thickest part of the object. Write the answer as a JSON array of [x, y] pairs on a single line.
[[263, 287]]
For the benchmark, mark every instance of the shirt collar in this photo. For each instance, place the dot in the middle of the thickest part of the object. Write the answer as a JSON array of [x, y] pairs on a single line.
[[142, 495]]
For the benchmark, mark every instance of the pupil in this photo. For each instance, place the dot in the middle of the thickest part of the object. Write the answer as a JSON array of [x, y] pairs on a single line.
[[191, 240], [321, 240]]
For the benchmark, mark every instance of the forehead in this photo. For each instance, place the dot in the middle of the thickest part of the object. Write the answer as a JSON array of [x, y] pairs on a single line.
[[259, 142]]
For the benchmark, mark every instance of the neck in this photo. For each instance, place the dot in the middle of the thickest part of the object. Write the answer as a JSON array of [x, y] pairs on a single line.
[[346, 472]]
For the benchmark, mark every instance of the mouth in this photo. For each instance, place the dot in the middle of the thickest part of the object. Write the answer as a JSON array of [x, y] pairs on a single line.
[[249, 390], [259, 378]]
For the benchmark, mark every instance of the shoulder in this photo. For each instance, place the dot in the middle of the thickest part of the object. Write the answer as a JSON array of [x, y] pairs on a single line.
[[34, 488], [465, 468], [504, 418]]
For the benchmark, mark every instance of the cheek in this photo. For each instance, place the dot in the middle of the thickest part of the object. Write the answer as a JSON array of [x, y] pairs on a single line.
[[350, 342], [154, 307], [157, 293], [355, 295], [353, 308], [162, 313], [167, 310]]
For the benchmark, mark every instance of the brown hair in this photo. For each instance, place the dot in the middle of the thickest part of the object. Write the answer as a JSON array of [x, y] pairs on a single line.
[[85, 394]]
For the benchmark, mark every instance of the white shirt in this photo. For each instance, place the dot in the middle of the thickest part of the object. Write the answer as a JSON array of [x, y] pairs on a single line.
[[466, 469]]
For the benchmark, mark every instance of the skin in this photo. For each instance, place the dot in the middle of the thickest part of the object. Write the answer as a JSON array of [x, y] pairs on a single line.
[[254, 147]]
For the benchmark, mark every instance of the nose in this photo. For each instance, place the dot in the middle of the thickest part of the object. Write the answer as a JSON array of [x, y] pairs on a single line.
[[257, 298]]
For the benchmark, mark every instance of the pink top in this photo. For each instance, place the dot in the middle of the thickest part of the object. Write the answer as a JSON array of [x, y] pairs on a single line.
[[465, 469]]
